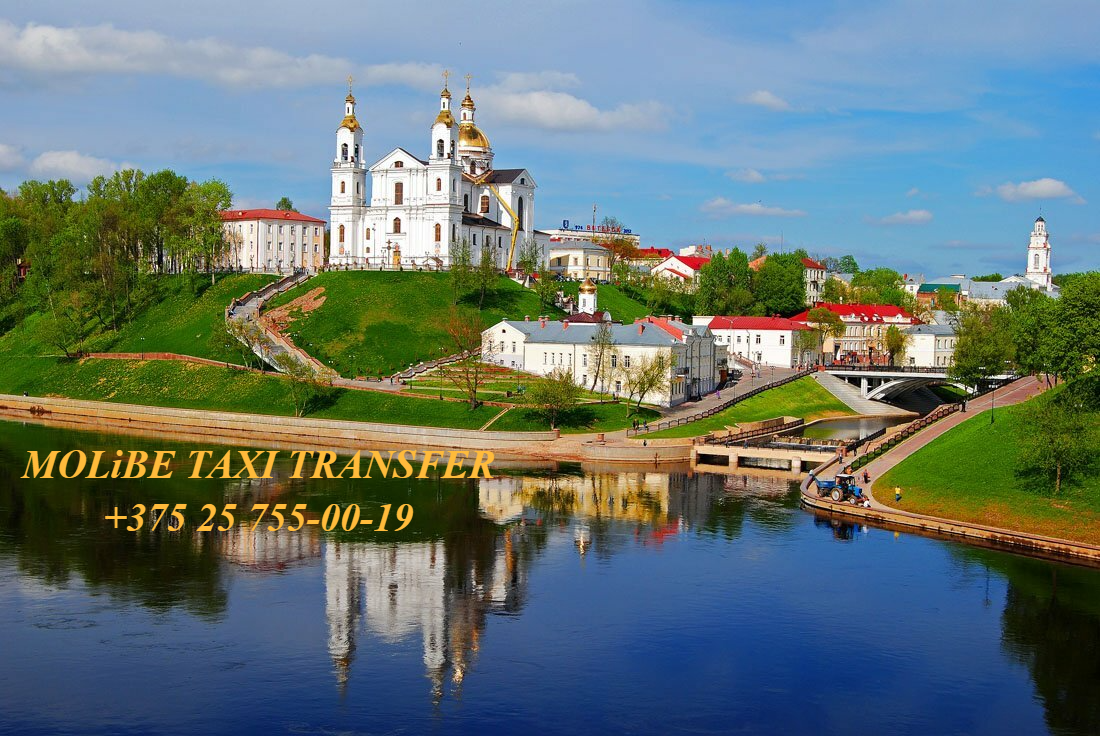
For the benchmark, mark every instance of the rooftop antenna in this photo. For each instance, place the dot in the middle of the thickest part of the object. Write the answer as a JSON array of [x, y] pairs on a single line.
[[593, 215]]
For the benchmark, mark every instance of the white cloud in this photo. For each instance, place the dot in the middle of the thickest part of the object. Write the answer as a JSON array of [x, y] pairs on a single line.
[[553, 110], [766, 99], [912, 217], [912, 192], [722, 207], [526, 81], [11, 158], [72, 165], [46, 49], [1045, 188], [749, 176]]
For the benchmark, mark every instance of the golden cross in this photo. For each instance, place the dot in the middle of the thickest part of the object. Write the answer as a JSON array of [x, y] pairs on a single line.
[[468, 78], [446, 73], [350, 80]]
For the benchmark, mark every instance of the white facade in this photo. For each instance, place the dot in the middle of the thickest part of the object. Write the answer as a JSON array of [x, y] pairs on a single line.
[[273, 241], [418, 210], [1038, 256], [759, 340], [814, 277], [680, 268], [930, 346], [543, 346], [580, 260]]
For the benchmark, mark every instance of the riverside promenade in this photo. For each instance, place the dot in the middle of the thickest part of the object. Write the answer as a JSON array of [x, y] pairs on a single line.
[[894, 518]]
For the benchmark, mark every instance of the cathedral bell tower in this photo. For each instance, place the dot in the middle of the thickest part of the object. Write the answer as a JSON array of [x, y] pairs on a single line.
[[349, 190], [1038, 255], [444, 129]]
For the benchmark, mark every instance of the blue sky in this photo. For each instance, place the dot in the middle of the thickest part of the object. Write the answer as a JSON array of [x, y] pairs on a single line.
[[922, 135]]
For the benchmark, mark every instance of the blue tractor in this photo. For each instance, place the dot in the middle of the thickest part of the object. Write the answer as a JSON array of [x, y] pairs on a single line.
[[840, 489]]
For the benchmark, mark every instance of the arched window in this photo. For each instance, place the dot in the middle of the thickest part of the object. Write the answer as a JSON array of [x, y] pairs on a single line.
[[439, 148], [398, 164], [356, 187], [484, 203], [397, 224], [341, 233], [398, 193], [366, 235], [465, 202], [356, 157], [519, 213], [344, 152], [439, 185], [343, 187], [1036, 260], [438, 232]]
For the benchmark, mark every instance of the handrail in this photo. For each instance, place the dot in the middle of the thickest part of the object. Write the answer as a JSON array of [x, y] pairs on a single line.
[[752, 433], [669, 423], [905, 433]]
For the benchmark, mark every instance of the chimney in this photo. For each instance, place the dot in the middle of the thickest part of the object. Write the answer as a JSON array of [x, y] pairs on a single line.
[[542, 322], [526, 318], [641, 327], [564, 325]]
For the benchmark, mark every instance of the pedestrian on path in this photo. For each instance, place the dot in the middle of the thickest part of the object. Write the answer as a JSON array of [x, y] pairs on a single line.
[[866, 477], [718, 394]]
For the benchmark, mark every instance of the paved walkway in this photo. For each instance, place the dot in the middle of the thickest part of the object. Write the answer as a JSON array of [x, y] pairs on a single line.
[[1014, 393]]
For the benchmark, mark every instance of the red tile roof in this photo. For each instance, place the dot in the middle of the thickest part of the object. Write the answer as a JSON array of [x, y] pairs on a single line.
[[654, 253], [861, 312], [664, 324], [812, 264], [756, 323], [692, 262], [233, 215]]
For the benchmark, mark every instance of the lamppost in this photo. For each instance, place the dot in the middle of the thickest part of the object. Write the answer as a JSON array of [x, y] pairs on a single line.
[[143, 347]]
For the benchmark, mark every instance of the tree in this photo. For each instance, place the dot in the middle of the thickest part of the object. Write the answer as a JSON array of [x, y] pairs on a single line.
[[285, 204], [462, 270], [780, 284], [896, 343], [65, 324], [984, 344], [847, 264], [1034, 321], [464, 331], [646, 374], [530, 256], [1061, 441], [619, 247], [807, 345], [989, 277], [1075, 331], [599, 353], [553, 394], [486, 274], [309, 387], [835, 291], [830, 324], [759, 251], [545, 288], [241, 335]]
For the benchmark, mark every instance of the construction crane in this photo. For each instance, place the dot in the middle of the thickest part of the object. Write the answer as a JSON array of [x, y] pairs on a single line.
[[503, 203]]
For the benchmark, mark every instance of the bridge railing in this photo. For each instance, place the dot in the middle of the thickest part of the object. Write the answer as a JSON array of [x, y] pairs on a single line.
[[860, 368]]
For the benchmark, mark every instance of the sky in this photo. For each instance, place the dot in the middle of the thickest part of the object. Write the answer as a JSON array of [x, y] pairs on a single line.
[[916, 134]]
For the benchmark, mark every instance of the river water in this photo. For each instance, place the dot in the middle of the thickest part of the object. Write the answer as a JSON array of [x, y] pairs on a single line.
[[574, 601]]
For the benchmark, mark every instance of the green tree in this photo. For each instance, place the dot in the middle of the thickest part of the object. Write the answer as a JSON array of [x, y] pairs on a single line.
[[1033, 315], [835, 291], [546, 288], [896, 343], [530, 256], [984, 347], [1075, 329], [1061, 442], [598, 357], [807, 345], [553, 394], [486, 274], [462, 270], [759, 251], [309, 388], [619, 247], [780, 284], [645, 375], [946, 300], [464, 330], [829, 323], [285, 204], [989, 277]]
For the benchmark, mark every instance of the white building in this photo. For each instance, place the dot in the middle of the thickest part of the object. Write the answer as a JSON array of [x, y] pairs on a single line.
[[580, 259], [1038, 256], [418, 210], [930, 346], [680, 268], [543, 346], [273, 241], [865, 328], [759, 340]]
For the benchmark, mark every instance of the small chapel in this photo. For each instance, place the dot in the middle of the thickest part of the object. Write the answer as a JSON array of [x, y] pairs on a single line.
[[415, 212]]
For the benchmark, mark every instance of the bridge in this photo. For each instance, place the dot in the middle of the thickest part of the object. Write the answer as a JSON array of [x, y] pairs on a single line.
[[883, 382]]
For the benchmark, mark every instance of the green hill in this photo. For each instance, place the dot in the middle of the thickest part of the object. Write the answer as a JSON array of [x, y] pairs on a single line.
[[609, 297], [376, 322]]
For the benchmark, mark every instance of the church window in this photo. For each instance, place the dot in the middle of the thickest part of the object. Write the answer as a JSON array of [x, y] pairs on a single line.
[[343, 187], [484, 203], [523, 181], [439, 148], [439, 185], [1036, 260], [519, 212], [465, 202], [438, 232], [367, 235], [399, 193], [398, 164], [341, 233], [397, 224], [344, 152]]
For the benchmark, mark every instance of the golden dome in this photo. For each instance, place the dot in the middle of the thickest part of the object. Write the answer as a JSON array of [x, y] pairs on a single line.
[[445, 117], [350, 123], [470, 136], [350, 98], [445, 93], [468, 102], [587, 287]]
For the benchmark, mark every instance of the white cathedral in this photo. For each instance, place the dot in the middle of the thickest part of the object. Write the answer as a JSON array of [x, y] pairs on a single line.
[[417, 211]]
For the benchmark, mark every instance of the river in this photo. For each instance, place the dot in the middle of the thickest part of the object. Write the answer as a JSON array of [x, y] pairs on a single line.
[[573, 601]]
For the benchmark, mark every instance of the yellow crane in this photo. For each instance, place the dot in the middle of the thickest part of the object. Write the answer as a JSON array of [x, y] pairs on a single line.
[[515, 219]]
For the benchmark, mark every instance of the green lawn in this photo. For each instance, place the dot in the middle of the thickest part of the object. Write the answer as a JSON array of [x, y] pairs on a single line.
[[948, 393], [969, 474], [802, 398], [609, 297], [192, 386], [585, 418], [377, 322], [176, 314]]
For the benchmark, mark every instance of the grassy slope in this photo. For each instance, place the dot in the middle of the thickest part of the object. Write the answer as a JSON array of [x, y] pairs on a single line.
[[622, 307], [969, 474], [190, 386], [803, 398], [377, 322]]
